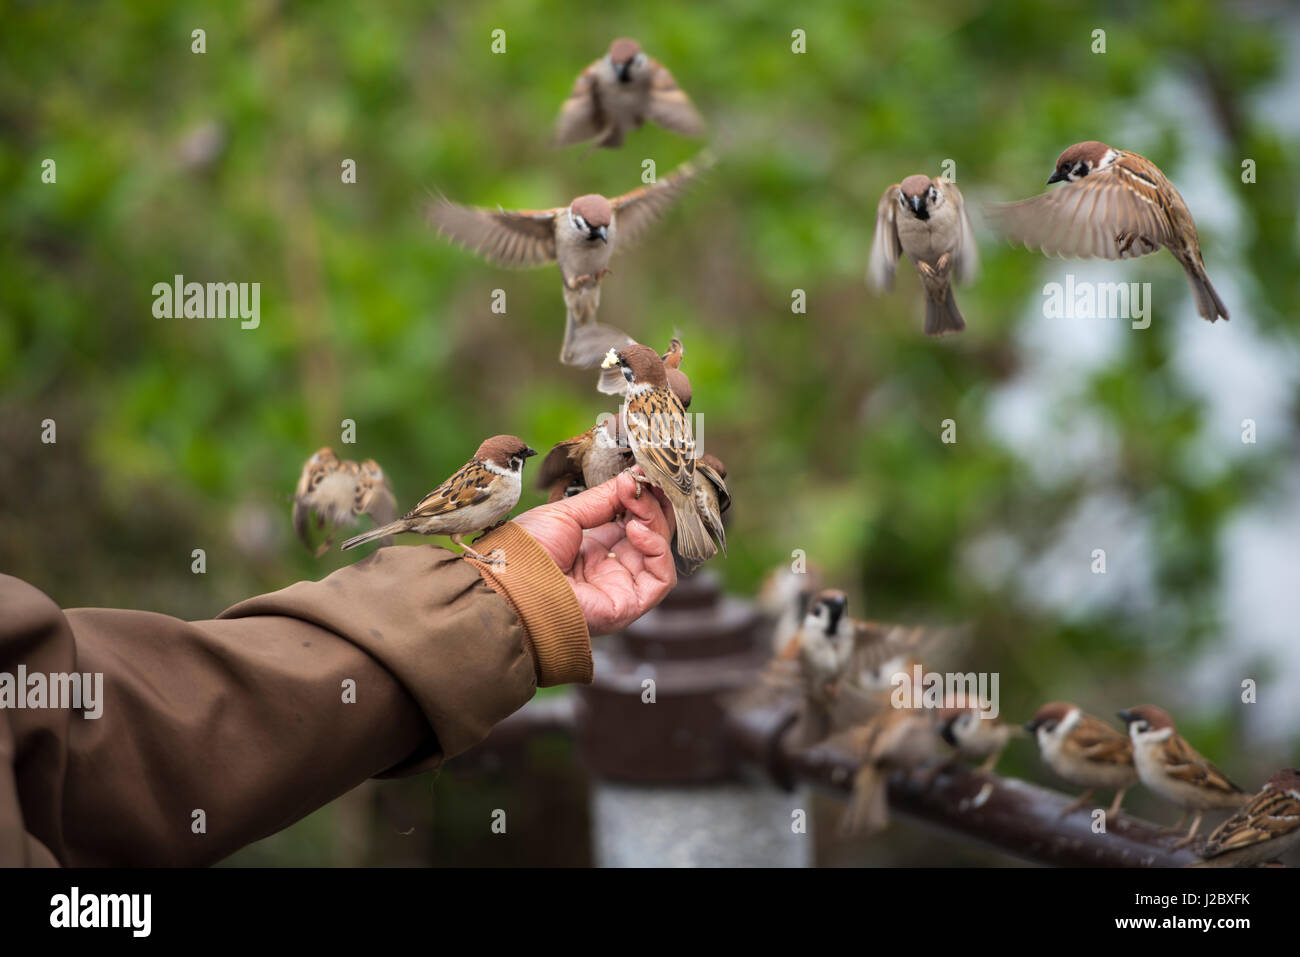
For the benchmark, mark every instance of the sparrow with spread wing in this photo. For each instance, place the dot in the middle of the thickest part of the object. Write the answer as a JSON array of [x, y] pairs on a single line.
[[1116, 205], [478, 496], [579, 237], [662, 442], [1173, 769], [618, 93], [925, 219], [1085, 751], [339, 492]]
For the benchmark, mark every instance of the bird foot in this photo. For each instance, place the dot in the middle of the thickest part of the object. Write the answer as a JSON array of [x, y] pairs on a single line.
[[496, 558]]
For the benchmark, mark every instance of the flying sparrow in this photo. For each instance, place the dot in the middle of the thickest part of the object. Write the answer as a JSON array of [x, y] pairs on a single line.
[[973, 736], [338, 492], [1170, 767], [1085, 751], [618, 93], [659, 434], [926, 220], [896, 738], [1262, 830], [478, 496], [1117, 205], [579, 237]]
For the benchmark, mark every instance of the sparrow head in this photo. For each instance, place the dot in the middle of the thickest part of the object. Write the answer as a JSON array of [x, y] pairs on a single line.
[[919, 194], [1288, 779], [954, 724], [1146, 717], [506, 452], [639, 364], [826, 610], [624, 56], [673, 357], [1080, 160], [1049, 716], [591, 214], [715, 463]]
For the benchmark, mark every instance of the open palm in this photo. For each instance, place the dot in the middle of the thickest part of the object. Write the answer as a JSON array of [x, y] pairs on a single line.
[[612, 546]]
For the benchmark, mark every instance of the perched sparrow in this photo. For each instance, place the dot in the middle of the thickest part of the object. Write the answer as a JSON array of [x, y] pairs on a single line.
[[659, 434], [580, 238], [618, 93], [1172, 769], [1085, 751], [339, 492], [611, 380], [711, 496], [896, 738], [973, 736], [926, 219], [1118, 205], [477, 497], [584, 461], [1262, 830]]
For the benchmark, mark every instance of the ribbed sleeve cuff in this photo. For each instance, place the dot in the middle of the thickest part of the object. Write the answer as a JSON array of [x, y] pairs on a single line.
[[544, 602]]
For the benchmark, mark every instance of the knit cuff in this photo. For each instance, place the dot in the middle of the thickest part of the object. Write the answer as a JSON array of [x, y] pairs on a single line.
[[544, 603]]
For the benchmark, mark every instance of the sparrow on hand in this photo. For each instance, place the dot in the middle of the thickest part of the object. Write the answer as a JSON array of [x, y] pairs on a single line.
[[611, 381], [579, 237], [584, 461], [618, 93], [1172, 768], [1085, 751], [476, 498], [338, 492], [1262, 830], [926, 220], [1117, 205], [660, 436]]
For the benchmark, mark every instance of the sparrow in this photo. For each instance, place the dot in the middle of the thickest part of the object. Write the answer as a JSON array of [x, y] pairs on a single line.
[[338, 492], [659, 435], [1117, 205], [784, 598], [1085, 751], [973, 736], [894, 739], [611, 381], [712, 499], [579, 237], [926, 220], [584, 461], [618, 93], [1170, 767], [1262, 830], [477, 497]]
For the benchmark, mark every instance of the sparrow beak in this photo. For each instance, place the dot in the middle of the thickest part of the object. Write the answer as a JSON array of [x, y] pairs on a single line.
[[916, 204], [1125, 716], [601, 233], [622, 71], [946, 733], [529, 452], [1056, 177]]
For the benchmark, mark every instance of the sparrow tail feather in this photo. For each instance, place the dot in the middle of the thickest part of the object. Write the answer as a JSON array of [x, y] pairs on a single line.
[[693, 541], [1208, 303], [383, 531], [942, 316], [868, 810]]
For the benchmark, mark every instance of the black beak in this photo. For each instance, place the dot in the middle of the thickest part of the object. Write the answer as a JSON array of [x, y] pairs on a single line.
[[1031, 726], [1057, 177], [916, 204], [946, 732], [623, 71], [529, 452], [1125, 716], [601, 232]]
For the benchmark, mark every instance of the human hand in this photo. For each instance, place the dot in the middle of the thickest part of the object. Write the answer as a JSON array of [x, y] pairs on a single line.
[[612, 547]]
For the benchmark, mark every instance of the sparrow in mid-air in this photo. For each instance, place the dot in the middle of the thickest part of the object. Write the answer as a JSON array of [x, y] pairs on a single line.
[[584, 461], [579, 237], [1116, 205], [1085, 751], [663, 444], [925, 219], [339, 492], [618, 93], [1170, 767], [1262, 830], [477, 497], [973, 736], [896, 738]]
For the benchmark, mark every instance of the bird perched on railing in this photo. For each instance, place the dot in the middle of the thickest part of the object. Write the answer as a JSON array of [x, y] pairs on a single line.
[[338, 492], [1085, 751], [972, 733], [1261, 831]]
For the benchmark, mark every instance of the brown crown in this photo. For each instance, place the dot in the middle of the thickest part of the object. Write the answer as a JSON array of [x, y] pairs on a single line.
[[1090, 151], [623, 49], [1157, 718], [594, 208], [499, 449], [915, 185], [646, 366]]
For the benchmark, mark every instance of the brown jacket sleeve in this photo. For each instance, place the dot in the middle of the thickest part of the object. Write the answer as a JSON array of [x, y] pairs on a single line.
[[281, 704]]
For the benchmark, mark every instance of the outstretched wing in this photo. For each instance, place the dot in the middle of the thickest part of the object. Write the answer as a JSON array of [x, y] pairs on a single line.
[[670, 107], [885, 247], [515, 238], [637, 211], [580, 115]]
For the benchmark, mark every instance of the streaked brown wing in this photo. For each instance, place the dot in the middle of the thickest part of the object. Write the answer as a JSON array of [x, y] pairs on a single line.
[[1097, 741], [968, 257], [515, 238], [468, 486], [375, 496], [660, 432], [670, 107], [638, 210], [1114, 213], [1184, 764], [885, 247], [314, 470], [579, 118], [702, 467], [1271, 814], [563, 460]]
